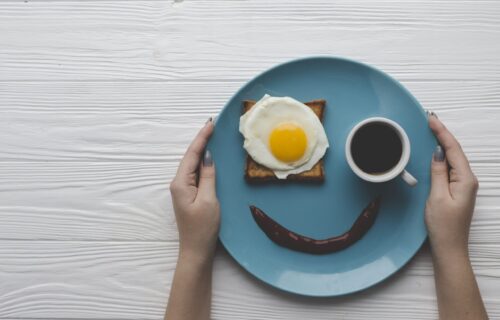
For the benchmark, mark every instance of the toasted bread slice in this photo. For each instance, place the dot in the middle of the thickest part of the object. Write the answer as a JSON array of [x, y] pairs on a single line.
[[255, 172]]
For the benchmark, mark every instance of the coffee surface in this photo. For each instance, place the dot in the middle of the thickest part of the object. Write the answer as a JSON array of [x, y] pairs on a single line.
[[376, 148]]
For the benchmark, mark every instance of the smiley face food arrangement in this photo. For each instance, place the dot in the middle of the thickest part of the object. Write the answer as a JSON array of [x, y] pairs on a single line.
[[286, 141]]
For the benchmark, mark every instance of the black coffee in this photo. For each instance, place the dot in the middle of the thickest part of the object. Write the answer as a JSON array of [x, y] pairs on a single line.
[[376, 148]]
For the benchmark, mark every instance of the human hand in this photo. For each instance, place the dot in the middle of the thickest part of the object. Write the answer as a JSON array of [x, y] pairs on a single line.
[[195, 202], [451, 201]]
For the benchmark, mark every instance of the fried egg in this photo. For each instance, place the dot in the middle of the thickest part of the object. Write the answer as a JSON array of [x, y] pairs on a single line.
[[283, 135]]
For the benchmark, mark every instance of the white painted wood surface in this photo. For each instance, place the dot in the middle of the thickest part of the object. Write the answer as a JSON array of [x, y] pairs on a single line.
[[98, 100]]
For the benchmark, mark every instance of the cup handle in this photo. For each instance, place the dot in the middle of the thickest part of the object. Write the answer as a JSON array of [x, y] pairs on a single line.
[[408, 178]]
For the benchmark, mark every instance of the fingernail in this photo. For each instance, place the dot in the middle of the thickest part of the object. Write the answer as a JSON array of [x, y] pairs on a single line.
[[430, 113], [438, 154], [207, 159], [209, 120]]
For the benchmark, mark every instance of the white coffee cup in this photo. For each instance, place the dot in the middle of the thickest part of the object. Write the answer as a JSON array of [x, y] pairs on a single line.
[[398, 169]]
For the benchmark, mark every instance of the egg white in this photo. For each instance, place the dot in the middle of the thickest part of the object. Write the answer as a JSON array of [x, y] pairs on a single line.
[[257, 124]]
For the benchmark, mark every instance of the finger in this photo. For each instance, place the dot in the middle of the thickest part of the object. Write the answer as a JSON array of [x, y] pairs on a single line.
[[190, 161], [206, 185], [454, 153], [439, 174]]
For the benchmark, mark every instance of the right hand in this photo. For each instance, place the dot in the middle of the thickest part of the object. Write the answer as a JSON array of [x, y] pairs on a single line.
[[451, 201]]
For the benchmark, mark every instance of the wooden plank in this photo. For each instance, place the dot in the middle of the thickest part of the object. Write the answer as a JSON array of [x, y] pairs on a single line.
[[130, 280], [165, 40], [131, 201], [86, 201], [145, 121], [84, 279]]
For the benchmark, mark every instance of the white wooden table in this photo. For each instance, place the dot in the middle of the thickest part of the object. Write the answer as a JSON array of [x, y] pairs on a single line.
[[99, 99]]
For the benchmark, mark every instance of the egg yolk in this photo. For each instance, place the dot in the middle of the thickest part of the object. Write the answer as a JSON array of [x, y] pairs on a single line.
[[288, 142]]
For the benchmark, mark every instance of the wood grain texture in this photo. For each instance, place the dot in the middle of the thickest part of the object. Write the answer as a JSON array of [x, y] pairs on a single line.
[[99, 99], [86, 201], [153, 40], [150, 121], [130, 201], [129, 280]]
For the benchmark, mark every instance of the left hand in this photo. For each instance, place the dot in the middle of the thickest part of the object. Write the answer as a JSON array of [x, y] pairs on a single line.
[[195, 201]]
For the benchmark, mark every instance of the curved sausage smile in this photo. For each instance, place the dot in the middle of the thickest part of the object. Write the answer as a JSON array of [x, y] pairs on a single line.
[[294, 241]]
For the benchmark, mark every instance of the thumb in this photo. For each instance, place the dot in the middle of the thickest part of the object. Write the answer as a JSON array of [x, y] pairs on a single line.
[[439, 173], [206, 184]]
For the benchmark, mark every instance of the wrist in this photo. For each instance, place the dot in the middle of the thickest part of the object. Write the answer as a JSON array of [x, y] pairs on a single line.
[[195, 258], [450, 254]]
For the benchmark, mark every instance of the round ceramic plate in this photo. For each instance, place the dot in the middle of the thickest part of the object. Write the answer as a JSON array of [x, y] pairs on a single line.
[[353, 92]]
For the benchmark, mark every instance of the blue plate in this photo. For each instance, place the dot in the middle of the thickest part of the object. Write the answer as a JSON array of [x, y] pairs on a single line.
[[353, 92]]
